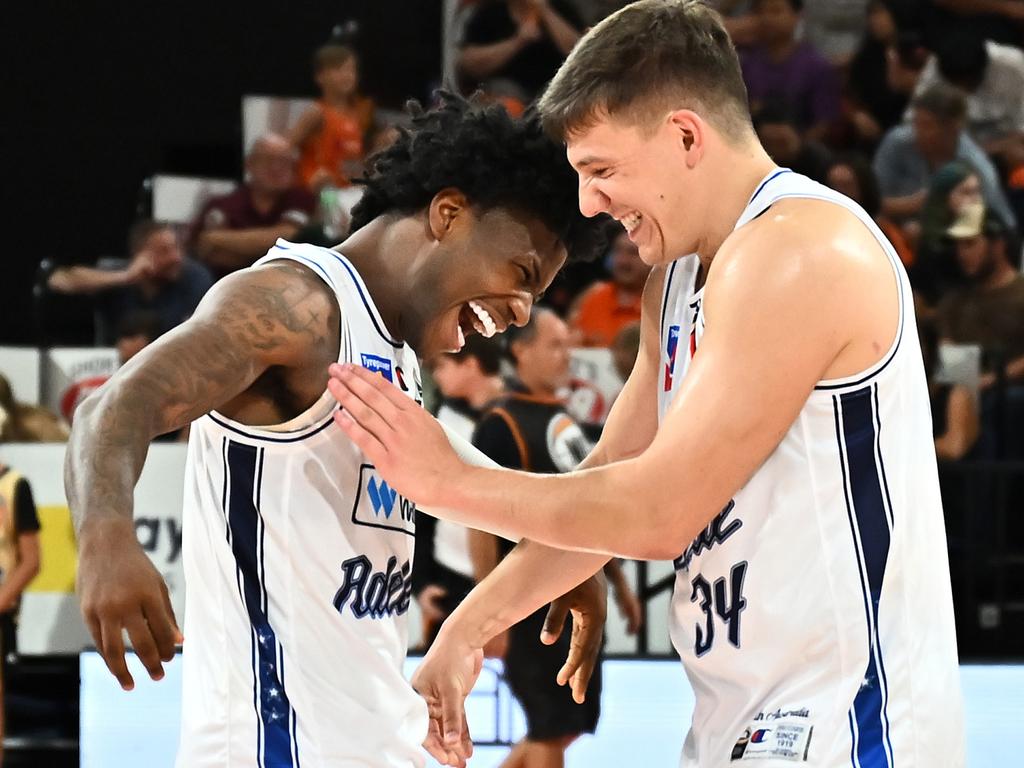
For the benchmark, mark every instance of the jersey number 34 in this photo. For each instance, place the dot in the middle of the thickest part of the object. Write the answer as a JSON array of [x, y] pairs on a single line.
[[724, 599]]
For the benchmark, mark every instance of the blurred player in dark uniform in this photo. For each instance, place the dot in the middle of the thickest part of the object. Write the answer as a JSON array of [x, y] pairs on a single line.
[[529, 429]]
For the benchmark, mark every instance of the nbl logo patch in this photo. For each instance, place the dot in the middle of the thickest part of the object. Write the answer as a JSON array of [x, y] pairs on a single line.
[[671, 347], [378, 364]]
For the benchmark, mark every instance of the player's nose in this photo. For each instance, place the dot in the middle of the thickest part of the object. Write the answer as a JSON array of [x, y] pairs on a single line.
[[592, 200]]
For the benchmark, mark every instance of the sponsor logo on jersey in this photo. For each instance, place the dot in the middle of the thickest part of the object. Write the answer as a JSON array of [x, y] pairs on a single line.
[[373, 594], [758, 736], [378, 505], [672, 346], [379, 365], [716, 532]]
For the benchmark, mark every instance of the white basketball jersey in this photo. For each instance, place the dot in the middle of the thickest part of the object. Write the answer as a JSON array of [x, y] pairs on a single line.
[[814, 614], [298, 561]]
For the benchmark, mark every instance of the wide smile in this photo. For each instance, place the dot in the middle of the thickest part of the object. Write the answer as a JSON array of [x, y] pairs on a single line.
[[476, 316], [631, 222]]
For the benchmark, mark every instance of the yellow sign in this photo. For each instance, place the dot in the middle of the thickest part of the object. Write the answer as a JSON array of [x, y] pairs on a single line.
[[58, 552]]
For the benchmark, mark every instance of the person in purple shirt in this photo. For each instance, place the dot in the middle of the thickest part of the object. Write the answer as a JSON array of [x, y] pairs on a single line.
[[779, 67]]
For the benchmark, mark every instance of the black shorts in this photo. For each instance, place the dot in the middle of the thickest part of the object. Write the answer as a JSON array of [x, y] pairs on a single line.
[[457, 586], [8, 641], [530, 669]]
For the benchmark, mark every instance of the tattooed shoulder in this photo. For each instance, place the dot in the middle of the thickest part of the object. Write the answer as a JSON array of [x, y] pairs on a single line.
[[282, 307]]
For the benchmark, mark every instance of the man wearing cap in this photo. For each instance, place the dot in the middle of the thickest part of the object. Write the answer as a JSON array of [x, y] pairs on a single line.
[[989, 310]]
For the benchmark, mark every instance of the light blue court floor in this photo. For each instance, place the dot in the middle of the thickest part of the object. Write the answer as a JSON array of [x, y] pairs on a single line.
[[646, 708]]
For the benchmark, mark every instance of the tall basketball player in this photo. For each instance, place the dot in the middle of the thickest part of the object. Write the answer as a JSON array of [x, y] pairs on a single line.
[[297, 554], [774, 438]]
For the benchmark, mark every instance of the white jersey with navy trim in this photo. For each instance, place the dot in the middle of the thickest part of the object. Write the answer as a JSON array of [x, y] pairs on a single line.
[[814, 614], [298, 561]]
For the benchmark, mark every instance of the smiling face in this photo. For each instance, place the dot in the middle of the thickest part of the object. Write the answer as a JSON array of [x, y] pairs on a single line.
[[481, 275], [642, 180]]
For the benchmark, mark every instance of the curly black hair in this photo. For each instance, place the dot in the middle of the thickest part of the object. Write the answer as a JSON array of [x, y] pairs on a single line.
[[492, 158]]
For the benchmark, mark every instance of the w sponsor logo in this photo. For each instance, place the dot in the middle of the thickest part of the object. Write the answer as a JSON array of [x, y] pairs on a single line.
[[381, 497], [378, 505]]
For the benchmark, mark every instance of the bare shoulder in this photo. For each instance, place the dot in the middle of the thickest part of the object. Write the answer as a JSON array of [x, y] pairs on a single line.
[[279, 309], [800, 244], [813, 262]]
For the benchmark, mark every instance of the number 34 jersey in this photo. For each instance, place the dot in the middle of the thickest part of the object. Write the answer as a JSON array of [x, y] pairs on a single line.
[[814, 614]]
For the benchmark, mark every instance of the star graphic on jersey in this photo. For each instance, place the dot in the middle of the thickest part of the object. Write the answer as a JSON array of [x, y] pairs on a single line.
[[264, 638]]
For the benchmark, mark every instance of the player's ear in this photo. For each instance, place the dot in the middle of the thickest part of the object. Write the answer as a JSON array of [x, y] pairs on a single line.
[[447, 211], [690, 130]]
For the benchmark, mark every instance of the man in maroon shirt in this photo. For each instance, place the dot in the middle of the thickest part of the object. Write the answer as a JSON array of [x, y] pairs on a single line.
[[233, 231]]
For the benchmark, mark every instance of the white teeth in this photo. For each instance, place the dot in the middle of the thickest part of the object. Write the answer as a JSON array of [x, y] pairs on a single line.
[[631, 222], [486, 325], [462, 338]]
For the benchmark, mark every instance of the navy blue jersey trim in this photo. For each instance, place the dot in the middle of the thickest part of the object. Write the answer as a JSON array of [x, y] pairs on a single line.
[[293, 439], [245, 520], [765, 183], [664, 304], [870, 536], [366, 303]]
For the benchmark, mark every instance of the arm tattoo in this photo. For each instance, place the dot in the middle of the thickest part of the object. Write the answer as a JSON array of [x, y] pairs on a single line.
[[273, 316]]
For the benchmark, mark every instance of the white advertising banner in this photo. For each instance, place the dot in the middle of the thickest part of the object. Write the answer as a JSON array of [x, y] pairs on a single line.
[[50, 618], [73, 374]]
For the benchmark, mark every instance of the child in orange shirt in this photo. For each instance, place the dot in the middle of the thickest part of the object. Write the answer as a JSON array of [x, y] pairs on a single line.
[[330, 134]]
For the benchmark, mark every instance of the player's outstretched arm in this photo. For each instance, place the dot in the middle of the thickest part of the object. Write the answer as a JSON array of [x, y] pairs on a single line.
[[248, 322], [781, 308]]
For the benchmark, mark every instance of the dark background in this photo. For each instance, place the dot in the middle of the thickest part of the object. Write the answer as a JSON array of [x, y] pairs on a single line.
[[98, 96]]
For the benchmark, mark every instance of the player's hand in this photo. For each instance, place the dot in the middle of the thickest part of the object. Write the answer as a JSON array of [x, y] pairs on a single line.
[[589, 606], [444, 680], [119, 589], [404, 442]]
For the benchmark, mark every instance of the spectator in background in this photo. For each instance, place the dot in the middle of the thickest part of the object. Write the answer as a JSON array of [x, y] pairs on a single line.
[[989, 311], [19, 564], [738, 21], [443, 570], [953, 187], [1001, 20], [608, 305], [625, 347], [852, 175], [781, 68], [519, 42], [992, 77], [529, 429], [835, 27], [136, 331], [956, 422], [331, 135], [780, 135], [234, 230], [910, 154], [23, 423], [877, 95], [157, 278]]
